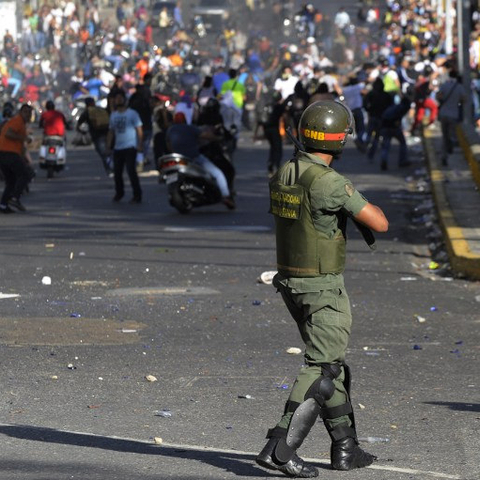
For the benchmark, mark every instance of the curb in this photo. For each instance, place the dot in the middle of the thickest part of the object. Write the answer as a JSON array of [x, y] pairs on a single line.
[[462, 259], [470, 143]]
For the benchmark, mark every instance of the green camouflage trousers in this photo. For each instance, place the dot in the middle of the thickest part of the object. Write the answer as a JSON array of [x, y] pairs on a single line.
[[321, 308]]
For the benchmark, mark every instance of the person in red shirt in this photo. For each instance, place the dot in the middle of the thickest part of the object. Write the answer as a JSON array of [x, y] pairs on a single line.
[[52, 121]]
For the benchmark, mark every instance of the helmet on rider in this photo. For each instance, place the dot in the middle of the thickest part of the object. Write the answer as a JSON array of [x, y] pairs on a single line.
[[49, 105], [8, 109], [324, 127]]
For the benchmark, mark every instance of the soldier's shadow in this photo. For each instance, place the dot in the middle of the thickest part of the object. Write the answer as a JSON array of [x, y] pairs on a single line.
[[240, 464]]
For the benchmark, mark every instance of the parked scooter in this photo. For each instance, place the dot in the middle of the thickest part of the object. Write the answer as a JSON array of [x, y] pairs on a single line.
[[52, 155], [189, 185]]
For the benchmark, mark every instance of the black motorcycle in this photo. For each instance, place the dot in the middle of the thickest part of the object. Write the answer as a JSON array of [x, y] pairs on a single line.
[[189, 185]]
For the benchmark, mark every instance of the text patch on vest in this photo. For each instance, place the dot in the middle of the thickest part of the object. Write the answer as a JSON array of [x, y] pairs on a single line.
[[286, 201]]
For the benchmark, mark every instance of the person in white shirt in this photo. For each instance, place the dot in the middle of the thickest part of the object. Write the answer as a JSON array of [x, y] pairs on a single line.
[[286, 83], [304, 70], [342, 19], [75, 24], [69, 9], [331, 80]]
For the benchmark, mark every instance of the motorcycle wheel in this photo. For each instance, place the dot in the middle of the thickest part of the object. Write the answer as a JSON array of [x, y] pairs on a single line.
[[50, 171], [177, 201]]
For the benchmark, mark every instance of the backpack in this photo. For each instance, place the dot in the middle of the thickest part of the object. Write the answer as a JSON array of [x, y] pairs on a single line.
[[98, 118]]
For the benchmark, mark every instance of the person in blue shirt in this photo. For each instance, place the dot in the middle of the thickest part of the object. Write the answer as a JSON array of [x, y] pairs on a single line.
[[177, 18], [219, 78], [94, 85], [125, 135]]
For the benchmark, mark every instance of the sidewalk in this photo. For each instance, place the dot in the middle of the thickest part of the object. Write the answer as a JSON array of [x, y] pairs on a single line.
[[457, 197]]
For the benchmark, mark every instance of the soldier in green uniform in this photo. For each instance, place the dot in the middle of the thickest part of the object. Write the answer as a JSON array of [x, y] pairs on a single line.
[[311, 203]]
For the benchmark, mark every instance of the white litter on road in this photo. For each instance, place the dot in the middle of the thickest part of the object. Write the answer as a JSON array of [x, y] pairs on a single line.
[[294, 351], [267, 277], [8, 295]]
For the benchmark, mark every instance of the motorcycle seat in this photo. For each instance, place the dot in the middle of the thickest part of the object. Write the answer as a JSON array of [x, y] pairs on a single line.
[[53, 140]]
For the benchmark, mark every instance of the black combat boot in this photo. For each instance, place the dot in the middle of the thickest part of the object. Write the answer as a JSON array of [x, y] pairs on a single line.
[[294, 468], [345, 454]]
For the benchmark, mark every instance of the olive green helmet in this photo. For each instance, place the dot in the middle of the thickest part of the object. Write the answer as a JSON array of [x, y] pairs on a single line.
[[324, 126]]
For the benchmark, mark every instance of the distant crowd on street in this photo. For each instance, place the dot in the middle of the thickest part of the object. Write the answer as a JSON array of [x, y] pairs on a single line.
[[258, 71]]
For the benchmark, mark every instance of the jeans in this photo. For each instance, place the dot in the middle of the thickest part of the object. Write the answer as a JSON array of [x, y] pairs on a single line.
[[117, 61], [272, 134], [16, 175], [215, 172], [121, 159], [373, 135], [40, 40], [387, 135], [147, 140], [100, 144], [359, 123], [159, 145], [448, 126], [16, 85]]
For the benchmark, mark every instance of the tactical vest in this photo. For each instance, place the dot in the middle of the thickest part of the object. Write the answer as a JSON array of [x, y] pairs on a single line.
[[302, 250]]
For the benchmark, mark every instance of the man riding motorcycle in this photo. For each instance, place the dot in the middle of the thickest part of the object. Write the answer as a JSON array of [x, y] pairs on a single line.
[[52, 121], [185, 139], [52, 155]]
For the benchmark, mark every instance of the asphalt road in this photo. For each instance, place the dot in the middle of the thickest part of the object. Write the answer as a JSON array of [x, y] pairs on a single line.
[[141, 290]]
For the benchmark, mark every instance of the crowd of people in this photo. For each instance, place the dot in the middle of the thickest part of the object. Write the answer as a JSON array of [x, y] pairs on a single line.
[[379, 76], [385, 62]]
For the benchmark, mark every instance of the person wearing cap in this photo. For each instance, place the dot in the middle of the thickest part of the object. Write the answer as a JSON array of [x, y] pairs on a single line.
[[125, 138], [13, 140]]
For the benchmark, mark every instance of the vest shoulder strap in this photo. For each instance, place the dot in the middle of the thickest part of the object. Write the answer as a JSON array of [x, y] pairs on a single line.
[[312, 173]]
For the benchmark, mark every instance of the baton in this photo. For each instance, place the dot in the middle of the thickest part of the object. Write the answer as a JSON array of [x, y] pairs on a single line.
[[367, 234], [294, 139]]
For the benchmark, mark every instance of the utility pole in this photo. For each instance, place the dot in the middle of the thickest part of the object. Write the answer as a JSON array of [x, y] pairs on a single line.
[[448, 27], [463, 29]]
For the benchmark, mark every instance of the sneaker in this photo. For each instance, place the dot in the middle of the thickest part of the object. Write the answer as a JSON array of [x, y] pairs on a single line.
[[15, 202], [6, 209], [229, 202], [135, 200], [117, 198]]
